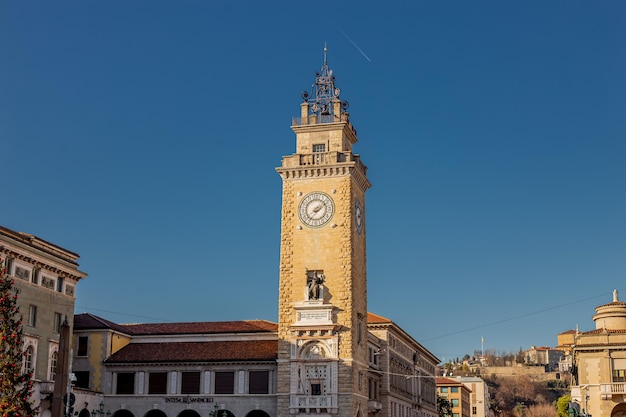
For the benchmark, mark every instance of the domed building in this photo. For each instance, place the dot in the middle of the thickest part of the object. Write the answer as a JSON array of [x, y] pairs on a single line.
[[599, 358]]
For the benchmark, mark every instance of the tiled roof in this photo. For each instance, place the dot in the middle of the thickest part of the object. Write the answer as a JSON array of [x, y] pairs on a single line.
[[613, 303], [87, 321], [602, 331], [446, 381], [196, 352], [375, 318], [211, 327]]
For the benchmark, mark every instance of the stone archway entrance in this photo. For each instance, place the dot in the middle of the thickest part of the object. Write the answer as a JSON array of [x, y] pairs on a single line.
[[123, 413], [619, 410], [188, 413], [155, 413], [257, 413]]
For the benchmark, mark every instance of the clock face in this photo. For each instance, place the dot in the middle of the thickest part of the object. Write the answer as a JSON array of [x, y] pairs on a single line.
[[316, 209], [358, 216]]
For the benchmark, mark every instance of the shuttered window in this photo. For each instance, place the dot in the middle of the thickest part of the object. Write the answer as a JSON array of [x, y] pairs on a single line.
[[125, 383], [190, 383], [259, 382], [224, 382], [157, 383]]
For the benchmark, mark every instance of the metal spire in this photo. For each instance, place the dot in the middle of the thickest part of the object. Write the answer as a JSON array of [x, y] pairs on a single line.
[[323, 92]]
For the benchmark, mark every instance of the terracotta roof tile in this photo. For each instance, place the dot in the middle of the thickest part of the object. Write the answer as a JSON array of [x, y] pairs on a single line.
[[447, 381], [375, 318], [196, 352], [88, 321], [245, 326]]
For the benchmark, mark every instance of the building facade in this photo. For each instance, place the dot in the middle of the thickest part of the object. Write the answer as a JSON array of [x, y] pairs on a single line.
[[227, 369], [406, 371], [545, 356], [599, 363], [480, 403], [46, 276], [457, 393], [176, 369]]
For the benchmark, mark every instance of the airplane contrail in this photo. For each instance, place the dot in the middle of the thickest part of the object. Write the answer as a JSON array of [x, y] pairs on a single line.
[[355, 45]]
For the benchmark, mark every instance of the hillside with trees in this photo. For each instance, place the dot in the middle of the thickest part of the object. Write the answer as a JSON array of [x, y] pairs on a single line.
[[525, 391]]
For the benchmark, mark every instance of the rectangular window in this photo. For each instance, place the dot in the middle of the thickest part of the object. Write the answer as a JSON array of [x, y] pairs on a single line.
[[82, 379], [619, 375], [474, 410], [190, 383], [125, 383], [455, 414], [454, 389], [321, 147], [224, 382], [36, 272], [259, 382], [83, 342], [32, 315], [57, 323], [157, 383], [9, 264], [60, 284], [316, 389], [455, 402], [444, 389]]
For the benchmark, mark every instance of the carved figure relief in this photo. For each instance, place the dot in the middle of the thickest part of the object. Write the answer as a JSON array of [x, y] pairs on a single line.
[[315, 285]]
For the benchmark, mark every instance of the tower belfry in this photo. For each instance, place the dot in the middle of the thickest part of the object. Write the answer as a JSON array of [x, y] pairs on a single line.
[[322, 335]]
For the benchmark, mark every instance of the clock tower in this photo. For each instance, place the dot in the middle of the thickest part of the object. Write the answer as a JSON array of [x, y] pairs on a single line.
[[322, 311]]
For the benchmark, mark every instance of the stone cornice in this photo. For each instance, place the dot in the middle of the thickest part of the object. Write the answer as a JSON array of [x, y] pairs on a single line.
[[43, 266], [326, 171]]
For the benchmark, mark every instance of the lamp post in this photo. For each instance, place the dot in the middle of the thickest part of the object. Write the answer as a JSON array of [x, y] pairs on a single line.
[[217, 412], [100, 412]]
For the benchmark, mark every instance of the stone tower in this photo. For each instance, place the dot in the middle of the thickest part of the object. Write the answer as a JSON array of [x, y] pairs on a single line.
[[322, 311]]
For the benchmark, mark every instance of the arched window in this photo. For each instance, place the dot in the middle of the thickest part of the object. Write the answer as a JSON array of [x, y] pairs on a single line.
[[53, 364], [28, 358]]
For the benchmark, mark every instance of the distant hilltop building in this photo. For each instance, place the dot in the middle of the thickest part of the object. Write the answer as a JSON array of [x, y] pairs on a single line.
[[599, 363], [544, 356]]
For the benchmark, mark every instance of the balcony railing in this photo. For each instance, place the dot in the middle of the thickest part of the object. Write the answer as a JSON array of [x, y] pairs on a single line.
[[322, 119], [321, 159], [314, 401], [46, 387], [606, 391], [374, 406]]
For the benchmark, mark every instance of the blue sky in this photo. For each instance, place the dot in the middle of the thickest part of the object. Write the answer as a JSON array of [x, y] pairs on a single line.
[[143, 135]]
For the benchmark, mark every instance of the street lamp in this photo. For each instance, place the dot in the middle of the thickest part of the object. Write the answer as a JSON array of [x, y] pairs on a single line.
[[100, 412], [217, 412]]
